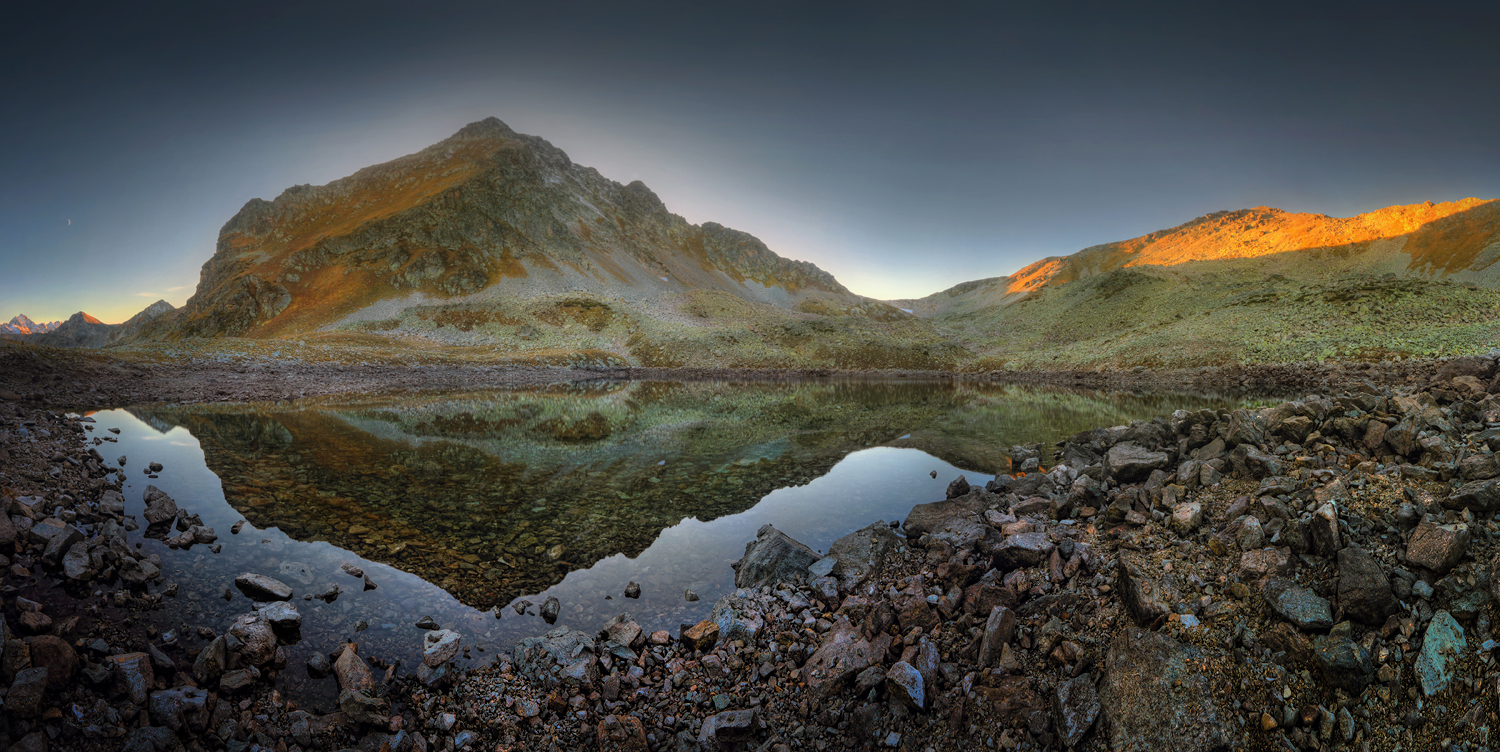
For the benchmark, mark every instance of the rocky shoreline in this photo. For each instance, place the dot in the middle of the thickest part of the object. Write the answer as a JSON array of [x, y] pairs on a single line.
[[1319, 574], [73, 379]]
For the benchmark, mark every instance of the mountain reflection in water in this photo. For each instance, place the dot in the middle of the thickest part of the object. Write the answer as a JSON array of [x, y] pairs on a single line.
[[496, 495]]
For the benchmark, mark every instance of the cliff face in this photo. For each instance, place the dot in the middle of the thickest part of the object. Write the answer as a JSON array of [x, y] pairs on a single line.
[[487, 211]]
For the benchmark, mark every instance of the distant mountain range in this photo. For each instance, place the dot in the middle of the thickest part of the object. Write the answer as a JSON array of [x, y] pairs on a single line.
[[497, 240], [22, 326], [81, 329]]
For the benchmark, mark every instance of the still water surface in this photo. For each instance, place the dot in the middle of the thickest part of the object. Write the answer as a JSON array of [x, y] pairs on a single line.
[[461, 506]]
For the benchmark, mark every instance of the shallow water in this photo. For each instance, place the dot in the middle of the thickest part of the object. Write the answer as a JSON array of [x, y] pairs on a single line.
[[458, 506]]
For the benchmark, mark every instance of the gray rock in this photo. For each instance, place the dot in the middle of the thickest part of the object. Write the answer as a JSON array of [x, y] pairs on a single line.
[[1155, 696], [256, 638], [179, 708], [1442, 644], [623, 630], [1323, 531], [550, 609], [76, 564], [160, 507], [1480, 496], [1437, 547], [730, 727], [1252, 463], [842, 654], [926, 518], [999, 628], [1298, 605], [737, 616], [1250, 535], [958, 487], [905, 683], [771, 558], [134, 675], [1129, 463], [1021, 550], [1265, 561], [283, 617], [152, 739], [439, 647], [212, 661], [1186, 517], [1344, 663], [863, 552], [1143, 596], [262, 588], [1364, 591], [633, 590], [1076, 706], [535, 656], [24, 699]]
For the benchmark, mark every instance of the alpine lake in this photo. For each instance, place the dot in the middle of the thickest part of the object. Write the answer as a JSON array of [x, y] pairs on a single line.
[[471, 509]]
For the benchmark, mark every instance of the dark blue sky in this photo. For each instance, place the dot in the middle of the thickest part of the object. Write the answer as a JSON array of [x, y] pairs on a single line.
[[903, 147]]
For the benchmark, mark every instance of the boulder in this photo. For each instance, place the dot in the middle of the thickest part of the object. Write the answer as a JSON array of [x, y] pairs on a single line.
[[738, 617], [1076, 706], [905, 684], [958, 487], [212, 661], [134, 676], [1265, 561], [771, 558], [160, 507], [76, 563], [439, 647], [180, 708], [1344, 663], [1364, 590], [999, 628], [24, 699], [57, 656], [535, 656], [1480, 496], [1250, 462], [844, 652], [1437, 547], [1021, 550], [282, 616], [1186, 517], [1298, 605], [1156, 696], [1144, 597], [623, 630], [926, 518], [257, 640], [1128, 463], [729, 729], [1323, 531], [262, 588]]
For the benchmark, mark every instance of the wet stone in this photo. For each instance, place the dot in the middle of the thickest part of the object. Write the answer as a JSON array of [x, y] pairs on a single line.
[[262, 588], [439, 647]]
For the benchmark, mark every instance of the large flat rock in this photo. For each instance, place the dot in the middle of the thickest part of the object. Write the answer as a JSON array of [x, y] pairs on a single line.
[[1155, 695]]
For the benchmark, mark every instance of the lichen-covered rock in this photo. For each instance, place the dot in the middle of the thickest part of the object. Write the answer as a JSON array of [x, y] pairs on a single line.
[[1437, 547], [1442, 644], [1156, 696]]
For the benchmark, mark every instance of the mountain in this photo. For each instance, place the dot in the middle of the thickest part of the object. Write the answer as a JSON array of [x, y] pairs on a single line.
[[83, 330], [1255, 284], [493, 237], [21, 326]]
